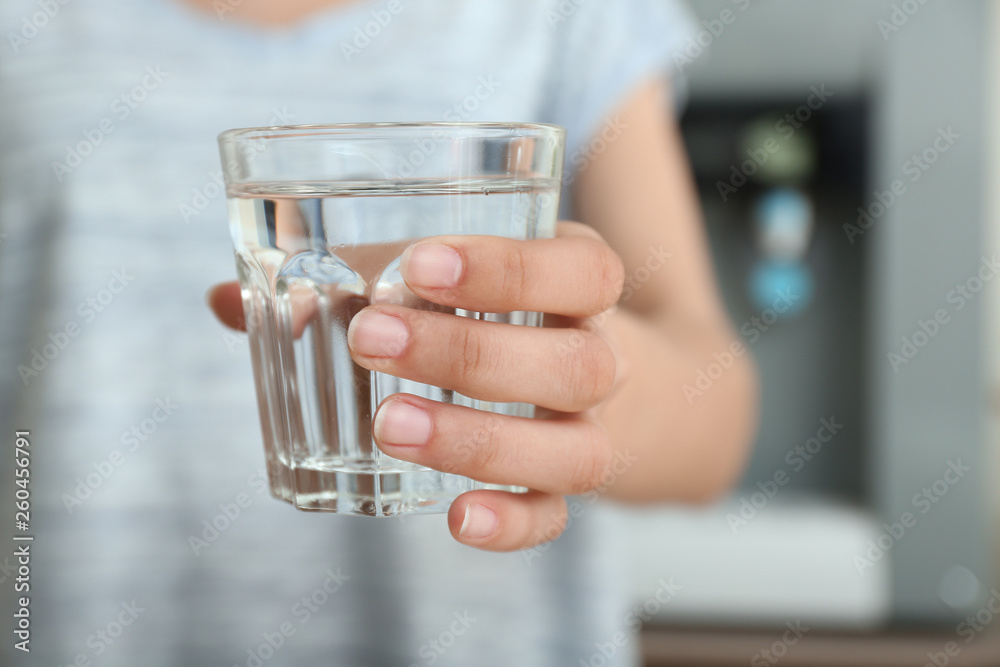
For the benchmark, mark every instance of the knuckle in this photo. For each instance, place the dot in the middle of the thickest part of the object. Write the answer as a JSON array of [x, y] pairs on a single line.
[[514, 275], [488, 454], [609, 274], [466, 350], [590, 370], [475, 353], [595, 457]]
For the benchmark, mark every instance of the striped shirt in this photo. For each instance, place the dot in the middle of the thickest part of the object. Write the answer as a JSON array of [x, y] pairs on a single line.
[[155, 540]]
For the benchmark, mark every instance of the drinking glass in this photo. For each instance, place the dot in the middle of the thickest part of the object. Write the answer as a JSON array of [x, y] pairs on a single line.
[[319, 216]]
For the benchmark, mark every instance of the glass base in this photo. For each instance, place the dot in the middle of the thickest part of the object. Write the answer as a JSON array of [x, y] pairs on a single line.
[[382, 494]]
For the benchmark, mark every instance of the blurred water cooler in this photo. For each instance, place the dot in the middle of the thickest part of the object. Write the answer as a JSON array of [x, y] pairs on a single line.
[[842, 169]]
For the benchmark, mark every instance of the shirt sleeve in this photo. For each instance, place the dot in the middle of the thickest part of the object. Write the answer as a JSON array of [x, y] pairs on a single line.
[[604, 49]]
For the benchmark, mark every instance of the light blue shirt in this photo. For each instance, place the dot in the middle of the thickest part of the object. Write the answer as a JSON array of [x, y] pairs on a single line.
[[155, 540]]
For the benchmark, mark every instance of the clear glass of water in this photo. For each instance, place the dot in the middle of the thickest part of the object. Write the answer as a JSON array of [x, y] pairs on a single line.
[[319, 216]]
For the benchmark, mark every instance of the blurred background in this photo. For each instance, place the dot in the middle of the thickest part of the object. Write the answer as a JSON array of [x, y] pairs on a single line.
[[846, 153]]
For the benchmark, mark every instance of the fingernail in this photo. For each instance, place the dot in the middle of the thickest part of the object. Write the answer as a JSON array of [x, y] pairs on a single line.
[[432, 265], [375, 334], [479, 522], [402, 424]]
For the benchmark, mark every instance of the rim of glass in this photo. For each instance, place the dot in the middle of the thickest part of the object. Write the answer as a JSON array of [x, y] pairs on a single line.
[[376, 129]]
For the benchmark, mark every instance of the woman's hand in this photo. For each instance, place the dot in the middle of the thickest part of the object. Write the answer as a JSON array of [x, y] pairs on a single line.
[[566, 371], [666, 445]]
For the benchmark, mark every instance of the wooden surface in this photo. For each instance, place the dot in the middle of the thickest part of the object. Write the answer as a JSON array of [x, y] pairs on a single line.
[[680, 647]]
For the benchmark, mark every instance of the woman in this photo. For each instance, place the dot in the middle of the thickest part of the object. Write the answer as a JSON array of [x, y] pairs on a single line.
[[108, 165]]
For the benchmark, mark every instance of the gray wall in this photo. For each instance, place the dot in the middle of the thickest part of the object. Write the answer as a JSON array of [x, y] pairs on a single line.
[[927, 75]]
